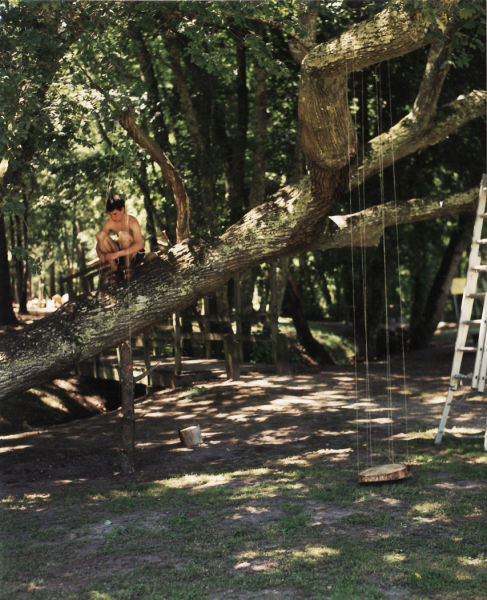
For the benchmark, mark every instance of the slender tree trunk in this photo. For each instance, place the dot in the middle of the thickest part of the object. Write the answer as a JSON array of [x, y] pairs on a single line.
[[195, 121], [423, 330], [148, 76], [148, 204], [80, 254], [7, 315], [293, 306], [257, 189], [238, 197], [370, 305], [21, 269]]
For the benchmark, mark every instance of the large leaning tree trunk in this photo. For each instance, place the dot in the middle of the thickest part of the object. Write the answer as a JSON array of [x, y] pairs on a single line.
[[286, 225]]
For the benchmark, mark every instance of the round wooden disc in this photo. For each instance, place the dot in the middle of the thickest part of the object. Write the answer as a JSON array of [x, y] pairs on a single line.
[[190, 436], [391, 472]]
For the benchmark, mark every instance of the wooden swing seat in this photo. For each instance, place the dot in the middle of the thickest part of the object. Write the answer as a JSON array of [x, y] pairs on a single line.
[[390, 472]]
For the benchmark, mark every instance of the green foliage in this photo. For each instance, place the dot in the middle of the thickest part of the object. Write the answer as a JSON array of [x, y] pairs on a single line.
[[67, 69]]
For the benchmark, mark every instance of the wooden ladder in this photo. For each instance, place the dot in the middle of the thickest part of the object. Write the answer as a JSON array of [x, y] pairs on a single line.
[[475, 267]]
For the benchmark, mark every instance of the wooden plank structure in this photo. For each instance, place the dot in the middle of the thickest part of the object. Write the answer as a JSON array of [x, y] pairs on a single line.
[[155, 342]]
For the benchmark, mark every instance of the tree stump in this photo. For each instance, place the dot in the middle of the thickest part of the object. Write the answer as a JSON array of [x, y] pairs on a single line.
[[390, 472], [281, 355], [191, 436], [232, 356]]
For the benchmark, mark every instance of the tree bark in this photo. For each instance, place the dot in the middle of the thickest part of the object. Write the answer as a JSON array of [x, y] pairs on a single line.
[[127, 120]]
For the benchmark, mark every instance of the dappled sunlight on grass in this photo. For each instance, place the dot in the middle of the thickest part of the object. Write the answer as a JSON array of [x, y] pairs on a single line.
[[394, 557], [27, 502]]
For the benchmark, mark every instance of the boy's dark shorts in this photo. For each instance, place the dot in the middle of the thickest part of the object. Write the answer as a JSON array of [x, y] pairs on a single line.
[[137, 259]]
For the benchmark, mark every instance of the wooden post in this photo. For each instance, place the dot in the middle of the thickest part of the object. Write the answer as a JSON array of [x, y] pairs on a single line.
[[282, 362], [232, 362], [52, 279], [238, 315], [128, 412], [148, 349], [273, 310], [206, 326], [176, 323]]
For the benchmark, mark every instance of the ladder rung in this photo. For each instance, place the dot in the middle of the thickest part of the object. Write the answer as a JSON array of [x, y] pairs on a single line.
[[477, 295], [472, 322], [466, 349], [481, 268], [481, 242]]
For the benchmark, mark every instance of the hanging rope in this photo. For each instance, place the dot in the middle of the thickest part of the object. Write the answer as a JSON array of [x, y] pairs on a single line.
[[398, 258], [361, 196], [363, 255], [352, 260], [379, 106]]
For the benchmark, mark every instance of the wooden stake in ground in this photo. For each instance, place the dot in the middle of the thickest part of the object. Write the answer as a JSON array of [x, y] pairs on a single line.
[[128, 413], [390, 472]]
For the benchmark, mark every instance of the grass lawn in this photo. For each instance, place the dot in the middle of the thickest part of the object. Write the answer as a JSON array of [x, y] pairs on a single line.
[[296, 527]]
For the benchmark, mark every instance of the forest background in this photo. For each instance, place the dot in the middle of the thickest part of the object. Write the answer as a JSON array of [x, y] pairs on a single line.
[[215, 86]]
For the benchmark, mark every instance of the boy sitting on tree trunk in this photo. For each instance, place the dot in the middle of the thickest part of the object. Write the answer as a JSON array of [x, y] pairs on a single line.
[[128, 251]]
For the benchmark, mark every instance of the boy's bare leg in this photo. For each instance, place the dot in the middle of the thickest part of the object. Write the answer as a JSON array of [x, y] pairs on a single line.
[[125, 240], [104, 245]]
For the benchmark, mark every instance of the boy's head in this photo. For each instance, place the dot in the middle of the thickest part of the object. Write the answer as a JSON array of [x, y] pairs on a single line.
[[115, 202]]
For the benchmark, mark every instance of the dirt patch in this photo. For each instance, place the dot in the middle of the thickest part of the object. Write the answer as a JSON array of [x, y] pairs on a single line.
[[257, 418]]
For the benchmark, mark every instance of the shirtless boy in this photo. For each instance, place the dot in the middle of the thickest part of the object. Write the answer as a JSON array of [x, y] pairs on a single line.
[[129, 250]]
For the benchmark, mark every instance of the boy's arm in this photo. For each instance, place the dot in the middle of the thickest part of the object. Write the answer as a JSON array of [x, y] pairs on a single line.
[[107, 227]]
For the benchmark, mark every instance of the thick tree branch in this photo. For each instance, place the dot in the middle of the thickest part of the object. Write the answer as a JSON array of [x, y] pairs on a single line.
[[366, 227], [328, 136], [408, 136], [127, 121], [435, 72]]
